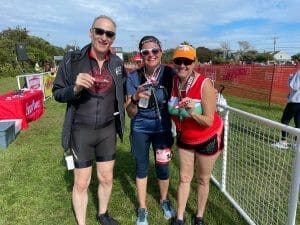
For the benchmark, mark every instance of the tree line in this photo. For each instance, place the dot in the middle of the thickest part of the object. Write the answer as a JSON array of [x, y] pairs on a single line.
[[223, 55], [37, 49], [41, 51]]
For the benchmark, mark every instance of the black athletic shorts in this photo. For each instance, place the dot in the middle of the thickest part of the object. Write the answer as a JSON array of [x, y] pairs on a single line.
[[209, 147], [89, 144]]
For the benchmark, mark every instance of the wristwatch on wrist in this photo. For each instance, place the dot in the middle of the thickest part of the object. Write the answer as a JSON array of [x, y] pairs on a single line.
[[135, 102]]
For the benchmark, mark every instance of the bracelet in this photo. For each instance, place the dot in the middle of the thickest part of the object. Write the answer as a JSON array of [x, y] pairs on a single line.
[[135, 102], [76, 93]]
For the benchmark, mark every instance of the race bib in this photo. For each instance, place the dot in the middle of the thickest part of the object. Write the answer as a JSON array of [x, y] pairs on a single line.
[[163, 156]]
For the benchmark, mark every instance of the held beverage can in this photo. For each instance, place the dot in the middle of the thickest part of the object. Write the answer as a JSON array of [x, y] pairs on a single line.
[[181, 105]]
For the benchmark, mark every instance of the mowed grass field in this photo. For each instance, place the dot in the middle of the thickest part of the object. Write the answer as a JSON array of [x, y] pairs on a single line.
[[35, 187]]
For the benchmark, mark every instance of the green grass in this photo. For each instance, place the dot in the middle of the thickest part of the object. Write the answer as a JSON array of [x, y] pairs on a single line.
[[8, 84], [259, 108], [35, 186]]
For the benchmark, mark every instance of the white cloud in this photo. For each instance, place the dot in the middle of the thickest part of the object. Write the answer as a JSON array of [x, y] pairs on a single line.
[[205, 23]]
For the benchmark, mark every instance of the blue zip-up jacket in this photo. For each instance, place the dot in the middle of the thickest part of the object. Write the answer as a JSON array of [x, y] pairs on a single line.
[[63, 88]]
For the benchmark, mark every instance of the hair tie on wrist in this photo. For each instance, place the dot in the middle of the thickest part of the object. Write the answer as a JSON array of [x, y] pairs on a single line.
[[135, 102]]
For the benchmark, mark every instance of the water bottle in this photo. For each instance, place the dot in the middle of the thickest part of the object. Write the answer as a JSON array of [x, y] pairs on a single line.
[[144, 102]]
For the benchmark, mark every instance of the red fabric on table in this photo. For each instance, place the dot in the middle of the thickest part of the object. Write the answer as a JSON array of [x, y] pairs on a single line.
[[28, 106]]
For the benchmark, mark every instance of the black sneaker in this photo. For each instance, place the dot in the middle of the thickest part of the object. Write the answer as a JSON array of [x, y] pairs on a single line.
[[178, 222], [105, 219], [197, 220]]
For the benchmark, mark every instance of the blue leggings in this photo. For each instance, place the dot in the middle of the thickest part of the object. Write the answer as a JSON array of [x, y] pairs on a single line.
[[140, 147]]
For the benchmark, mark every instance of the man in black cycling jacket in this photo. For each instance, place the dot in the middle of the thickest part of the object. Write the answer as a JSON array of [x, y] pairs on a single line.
[[92, 82]]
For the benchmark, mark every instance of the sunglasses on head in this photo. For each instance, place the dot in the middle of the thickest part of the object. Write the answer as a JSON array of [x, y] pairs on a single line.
[[184, 61], [100, 31], [146, 51]]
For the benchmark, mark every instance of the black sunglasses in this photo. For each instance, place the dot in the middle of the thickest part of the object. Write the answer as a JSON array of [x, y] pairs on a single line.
[[100, 31], [146, 51], [180, 61]]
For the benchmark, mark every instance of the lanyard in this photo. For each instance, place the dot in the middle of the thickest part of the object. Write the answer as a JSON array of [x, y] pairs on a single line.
[[183, 91], [153, 78]]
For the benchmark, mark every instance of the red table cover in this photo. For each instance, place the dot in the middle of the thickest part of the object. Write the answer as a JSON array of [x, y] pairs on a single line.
[[26, 105]]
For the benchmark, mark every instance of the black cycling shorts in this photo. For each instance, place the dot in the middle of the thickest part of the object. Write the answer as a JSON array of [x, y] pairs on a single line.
[[89, 144]]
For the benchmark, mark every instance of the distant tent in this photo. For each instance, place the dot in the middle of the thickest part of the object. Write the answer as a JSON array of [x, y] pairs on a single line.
[[137, 58]]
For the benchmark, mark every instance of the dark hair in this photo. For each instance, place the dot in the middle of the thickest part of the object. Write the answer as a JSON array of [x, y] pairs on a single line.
[[146, 39]]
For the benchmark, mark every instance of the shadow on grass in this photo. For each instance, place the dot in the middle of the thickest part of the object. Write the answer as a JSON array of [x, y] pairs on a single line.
[[125, 173], [217, 213], [124, 179]]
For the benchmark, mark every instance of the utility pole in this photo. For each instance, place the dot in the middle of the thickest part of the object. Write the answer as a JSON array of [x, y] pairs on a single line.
[[133, 41], [274, 42]]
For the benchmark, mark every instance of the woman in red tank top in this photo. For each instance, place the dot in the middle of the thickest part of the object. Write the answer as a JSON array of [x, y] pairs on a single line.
[[199, 130]]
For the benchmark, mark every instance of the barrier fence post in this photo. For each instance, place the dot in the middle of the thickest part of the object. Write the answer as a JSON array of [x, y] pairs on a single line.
[[271, 88], [294, 187]]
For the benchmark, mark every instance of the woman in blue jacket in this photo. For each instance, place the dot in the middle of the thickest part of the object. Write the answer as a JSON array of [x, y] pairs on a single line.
[[148, 90]]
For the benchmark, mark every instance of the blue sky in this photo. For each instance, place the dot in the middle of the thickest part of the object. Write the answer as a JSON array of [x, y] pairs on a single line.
[[206, 23]]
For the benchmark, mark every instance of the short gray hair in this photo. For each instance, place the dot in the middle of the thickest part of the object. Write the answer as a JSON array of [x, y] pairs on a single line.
[[104, 17]]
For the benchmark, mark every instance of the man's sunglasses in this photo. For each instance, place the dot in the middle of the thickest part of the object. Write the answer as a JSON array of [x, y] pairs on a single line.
[[100, 31], [146, 51], [180, 61]]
